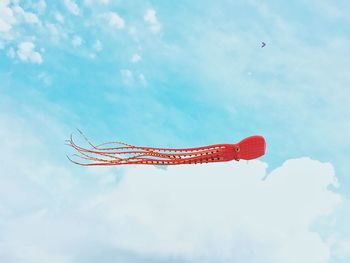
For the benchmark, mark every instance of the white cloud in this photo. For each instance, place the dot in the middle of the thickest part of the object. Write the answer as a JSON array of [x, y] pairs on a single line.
[[11, 15], [130, 78], [54, 31], [132, 31], [221, 212], [97, 46], [127, 76], [77, 41], [11, 53], [28, 17], [115, 20], [31, 18], [142, 79], [151, 18], [95, 2], [40, 6], [59, 17], [7, 18], [72, 7], [135, 58], [26, 52], [45, 78], [342, 249], [58, 33]]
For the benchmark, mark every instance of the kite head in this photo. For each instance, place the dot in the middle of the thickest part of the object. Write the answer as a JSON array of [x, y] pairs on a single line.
[[251, 148]]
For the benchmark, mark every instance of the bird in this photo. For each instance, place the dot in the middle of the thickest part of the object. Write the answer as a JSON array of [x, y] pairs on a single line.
[[263, 44]]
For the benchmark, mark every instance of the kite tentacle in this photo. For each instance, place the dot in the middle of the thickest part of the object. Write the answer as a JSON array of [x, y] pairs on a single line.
[[209, 147], [141, 158], [168, 158], [145, 151]]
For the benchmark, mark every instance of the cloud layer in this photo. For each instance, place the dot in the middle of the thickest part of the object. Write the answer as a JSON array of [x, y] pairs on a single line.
[[223, 212], [210, 213]]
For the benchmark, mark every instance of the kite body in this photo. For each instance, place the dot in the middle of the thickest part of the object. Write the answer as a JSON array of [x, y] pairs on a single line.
[[247, 149]]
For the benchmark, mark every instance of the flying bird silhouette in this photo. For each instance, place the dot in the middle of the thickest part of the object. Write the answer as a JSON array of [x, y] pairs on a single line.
[[263, 44]]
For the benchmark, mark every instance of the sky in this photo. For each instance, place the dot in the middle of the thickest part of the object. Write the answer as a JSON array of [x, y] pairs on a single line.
[[175, 74]]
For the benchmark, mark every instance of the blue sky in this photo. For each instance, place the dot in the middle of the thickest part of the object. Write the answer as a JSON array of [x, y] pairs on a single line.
[[182, 74]]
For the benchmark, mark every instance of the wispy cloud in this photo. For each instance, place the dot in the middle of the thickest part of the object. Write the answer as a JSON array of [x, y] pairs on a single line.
[[135, 58], [26, 52], [12, 14], [45, 78], [54, 31], [96, 2], [40, 6], [59, 17], [11, 53], [97, 46], [142, 79], [7, 18], [115, 20], [127, 76], [28, 17], [72, 7], [151, 18], [77, 41], [12, 18]]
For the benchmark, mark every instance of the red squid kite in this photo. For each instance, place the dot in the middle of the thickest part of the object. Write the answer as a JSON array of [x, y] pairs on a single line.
[[119, 153]]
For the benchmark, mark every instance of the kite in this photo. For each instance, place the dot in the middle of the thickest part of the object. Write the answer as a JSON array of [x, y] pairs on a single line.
[[119, 153]]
